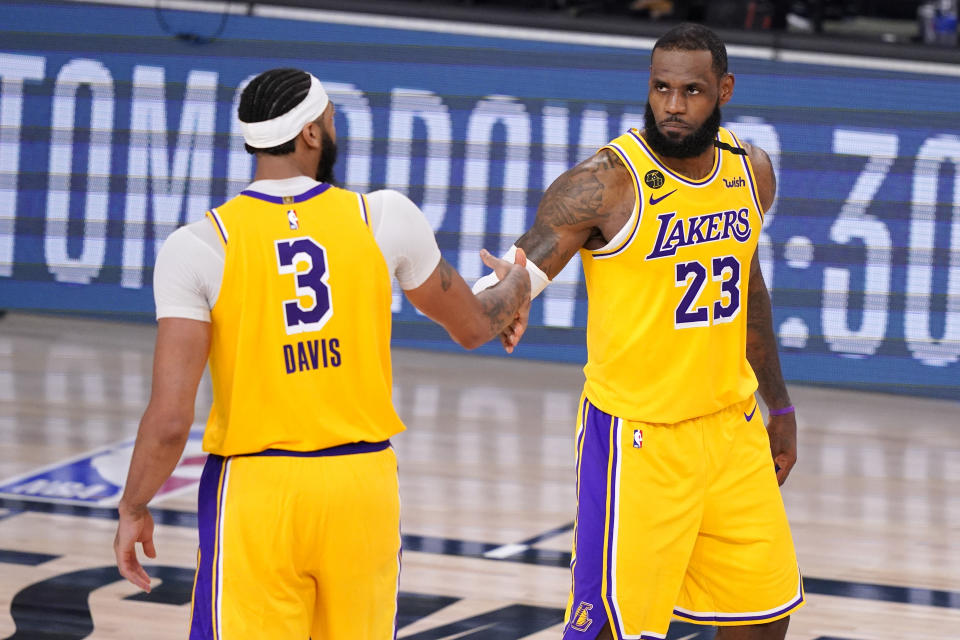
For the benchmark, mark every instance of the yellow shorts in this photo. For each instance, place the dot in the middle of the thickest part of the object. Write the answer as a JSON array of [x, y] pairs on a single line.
[[298, 545], [681, 520]]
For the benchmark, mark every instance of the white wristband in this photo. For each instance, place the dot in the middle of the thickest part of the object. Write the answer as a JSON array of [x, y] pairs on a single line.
[[538, 279]]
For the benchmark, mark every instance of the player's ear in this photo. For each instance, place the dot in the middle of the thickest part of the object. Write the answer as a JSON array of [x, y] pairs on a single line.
[[312, 135], [726, 88]]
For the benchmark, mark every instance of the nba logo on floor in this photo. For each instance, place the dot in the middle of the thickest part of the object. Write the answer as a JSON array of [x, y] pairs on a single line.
[[581, 620], [637, 439], [98, 477]]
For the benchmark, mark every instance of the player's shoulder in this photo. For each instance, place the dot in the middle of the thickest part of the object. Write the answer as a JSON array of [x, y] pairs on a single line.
[[185, 241], [763, 172], [756, 154], [393, 205], [389, 197], [189, 233]]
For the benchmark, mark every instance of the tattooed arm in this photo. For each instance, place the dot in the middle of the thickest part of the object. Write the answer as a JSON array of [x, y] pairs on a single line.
[[474, 320], [762, 355], [584, 207], [761, 341]]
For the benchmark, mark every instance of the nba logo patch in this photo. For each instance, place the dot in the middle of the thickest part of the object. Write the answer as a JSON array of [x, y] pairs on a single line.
[[637, 439], [581, 619], [292, 219]]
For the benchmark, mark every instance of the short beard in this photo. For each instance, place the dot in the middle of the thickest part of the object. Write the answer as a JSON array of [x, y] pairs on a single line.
[[690, 146], [328, 158]]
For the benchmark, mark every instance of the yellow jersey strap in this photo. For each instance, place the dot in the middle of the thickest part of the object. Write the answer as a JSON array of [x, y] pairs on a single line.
[[748, 169]]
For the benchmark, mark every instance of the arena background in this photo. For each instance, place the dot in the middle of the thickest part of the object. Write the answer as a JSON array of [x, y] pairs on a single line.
[[116, 126], [114, 133]]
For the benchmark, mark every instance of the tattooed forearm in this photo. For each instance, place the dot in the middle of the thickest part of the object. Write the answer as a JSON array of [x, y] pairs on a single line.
[[501, 302], [762, 345], [542, 245]]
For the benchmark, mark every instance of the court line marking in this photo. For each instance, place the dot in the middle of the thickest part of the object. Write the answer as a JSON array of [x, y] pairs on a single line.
[[515, 548], [406, 23], [27, 558], [540, 557]]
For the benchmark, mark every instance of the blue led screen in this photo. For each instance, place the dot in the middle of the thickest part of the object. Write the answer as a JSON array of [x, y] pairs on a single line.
[[113, 133]]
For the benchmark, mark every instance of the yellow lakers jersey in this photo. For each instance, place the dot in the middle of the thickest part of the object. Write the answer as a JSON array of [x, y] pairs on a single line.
[[666, 330], [300, 352]]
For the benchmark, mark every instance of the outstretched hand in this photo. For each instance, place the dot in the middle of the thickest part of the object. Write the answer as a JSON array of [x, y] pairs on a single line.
[[510, 337]]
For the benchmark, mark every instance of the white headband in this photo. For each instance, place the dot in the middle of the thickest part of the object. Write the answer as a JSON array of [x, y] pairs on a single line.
[[270, 133]]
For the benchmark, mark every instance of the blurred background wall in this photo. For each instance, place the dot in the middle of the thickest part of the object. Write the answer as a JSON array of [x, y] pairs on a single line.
[[117, 125]]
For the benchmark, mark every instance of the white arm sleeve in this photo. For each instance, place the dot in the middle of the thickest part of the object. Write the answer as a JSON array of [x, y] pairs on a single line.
[[404, 236], [188, 273], [538, 279]]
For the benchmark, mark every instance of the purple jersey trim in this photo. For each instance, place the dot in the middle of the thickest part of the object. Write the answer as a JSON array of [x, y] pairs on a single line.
[[591, 523], [363, 208], [611, 556], [746, 167], [217, 221], [639, 210], [693, 183], [204, 614], [340, 450], [306, 195], [733, 617]]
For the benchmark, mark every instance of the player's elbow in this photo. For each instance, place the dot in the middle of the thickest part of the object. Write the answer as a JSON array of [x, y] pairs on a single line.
[[472, 333], [471, 338]]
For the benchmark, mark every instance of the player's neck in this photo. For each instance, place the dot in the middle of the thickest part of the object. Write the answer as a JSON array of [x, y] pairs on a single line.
[[282, 167], [695, 168]]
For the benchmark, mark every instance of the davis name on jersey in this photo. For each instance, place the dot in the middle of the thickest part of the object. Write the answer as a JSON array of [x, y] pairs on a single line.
[[312, 354]]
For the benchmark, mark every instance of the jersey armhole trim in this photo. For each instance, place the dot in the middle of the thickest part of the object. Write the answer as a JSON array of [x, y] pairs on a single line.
[[214, 218], [364, 210], [611, 250], [748, 167]]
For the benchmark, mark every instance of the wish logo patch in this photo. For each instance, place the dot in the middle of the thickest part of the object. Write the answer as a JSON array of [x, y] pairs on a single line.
[[97, 478]]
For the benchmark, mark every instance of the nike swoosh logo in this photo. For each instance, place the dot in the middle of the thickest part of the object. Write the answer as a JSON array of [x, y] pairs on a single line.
[[750, 417], [654, 201]]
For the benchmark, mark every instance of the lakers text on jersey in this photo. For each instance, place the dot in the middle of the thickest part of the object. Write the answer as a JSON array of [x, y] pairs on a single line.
[[666, 333]]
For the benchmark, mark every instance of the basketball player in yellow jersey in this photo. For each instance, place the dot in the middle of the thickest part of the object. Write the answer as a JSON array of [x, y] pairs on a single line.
[[287, 288], [679, 511]]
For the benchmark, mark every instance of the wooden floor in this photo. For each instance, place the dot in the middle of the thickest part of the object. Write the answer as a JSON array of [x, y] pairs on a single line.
[[486, 472]]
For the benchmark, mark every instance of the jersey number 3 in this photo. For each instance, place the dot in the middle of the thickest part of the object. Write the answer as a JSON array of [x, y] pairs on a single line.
[[693, 275], [312, 307]]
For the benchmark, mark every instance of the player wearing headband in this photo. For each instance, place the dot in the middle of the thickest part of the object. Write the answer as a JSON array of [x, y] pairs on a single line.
[[287, 289]]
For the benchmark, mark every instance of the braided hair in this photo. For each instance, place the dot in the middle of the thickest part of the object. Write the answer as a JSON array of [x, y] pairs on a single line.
[[270, 95]]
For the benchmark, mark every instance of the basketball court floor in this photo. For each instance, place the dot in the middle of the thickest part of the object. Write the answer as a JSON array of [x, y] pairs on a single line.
[[487, 482]]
